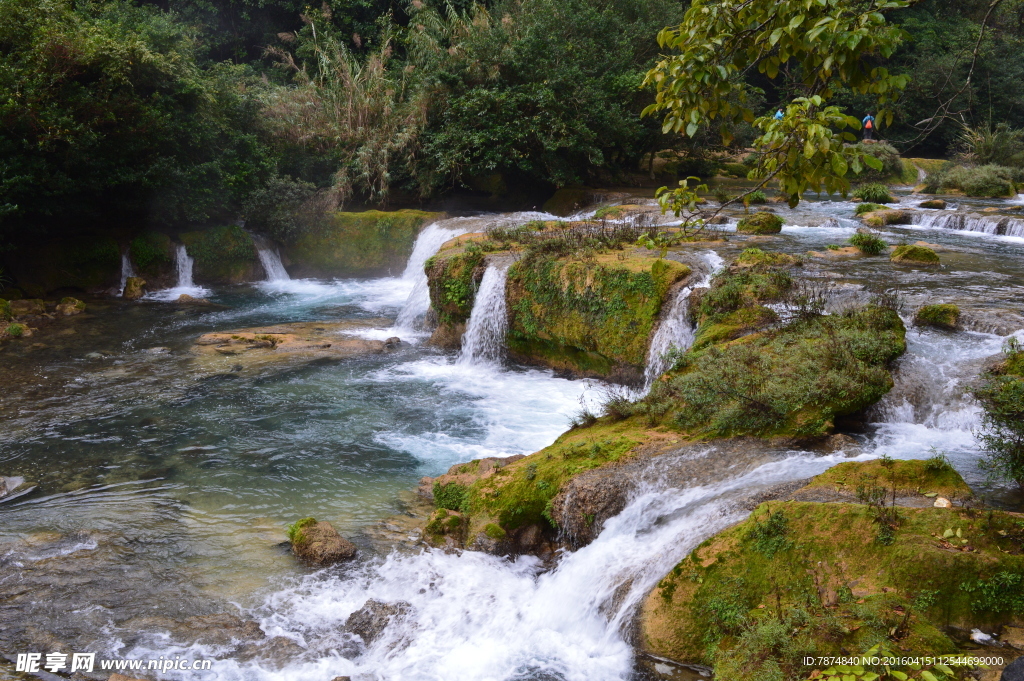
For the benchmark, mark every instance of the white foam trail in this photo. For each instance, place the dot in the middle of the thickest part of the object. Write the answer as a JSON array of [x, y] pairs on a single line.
[[484, 340], [675, 330], [183, 263], [126, 271], [272, 265], [427, 244]]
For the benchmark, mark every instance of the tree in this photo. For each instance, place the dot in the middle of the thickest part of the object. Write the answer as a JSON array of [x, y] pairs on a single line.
[[822, 44]]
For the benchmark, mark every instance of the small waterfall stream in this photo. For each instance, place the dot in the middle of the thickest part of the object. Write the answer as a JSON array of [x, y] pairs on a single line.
[[183, 262], [484, 340], [126, 271], [996, 225], [270, 258], [427, 244]]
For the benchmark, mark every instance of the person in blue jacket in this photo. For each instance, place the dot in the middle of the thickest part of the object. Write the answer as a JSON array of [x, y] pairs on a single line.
[[779, 115], [869, 127]]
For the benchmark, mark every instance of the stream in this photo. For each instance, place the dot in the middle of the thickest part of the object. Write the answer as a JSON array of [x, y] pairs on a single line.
[[164, 493]]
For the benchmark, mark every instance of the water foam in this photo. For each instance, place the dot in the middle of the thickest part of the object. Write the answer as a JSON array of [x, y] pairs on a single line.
[[484, 340]]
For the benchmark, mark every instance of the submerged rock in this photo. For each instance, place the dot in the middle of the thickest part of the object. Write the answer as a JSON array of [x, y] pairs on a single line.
[[186, 299], [134, 288], [319, 543], [370, 621]]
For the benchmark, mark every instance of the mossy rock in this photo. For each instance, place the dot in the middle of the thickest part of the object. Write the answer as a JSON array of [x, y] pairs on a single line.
[[611, 212], [569, 200], [223, 255], [452, 276], [755, 258], [820, 569], [868, 208], [367, 243], [5, 311], [69, 306], [760, 223], [881, 218], [152, 253], [134, 288], [945, 316], [936, 204], [910, 254], [588, 313], [915, 476]]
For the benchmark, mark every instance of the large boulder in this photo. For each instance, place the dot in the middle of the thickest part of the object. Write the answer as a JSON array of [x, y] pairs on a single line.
[[134, 288], [319, 543], [69, 306], [912, 254], [27, 307], [760, 223]]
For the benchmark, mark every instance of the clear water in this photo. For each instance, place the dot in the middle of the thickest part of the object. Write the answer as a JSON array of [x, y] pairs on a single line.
[[165, 491]]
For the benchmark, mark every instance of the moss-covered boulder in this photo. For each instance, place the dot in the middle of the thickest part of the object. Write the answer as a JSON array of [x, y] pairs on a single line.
[[934, 204], [760, 223], [134, 288], [592, 317], [868, 208], [452, 277], [757, 259], [319, 543], [945, 316], [912, 254], [69, 306], [818, 579], [367, 243], [27, 307], [881, 218], [223, 255]]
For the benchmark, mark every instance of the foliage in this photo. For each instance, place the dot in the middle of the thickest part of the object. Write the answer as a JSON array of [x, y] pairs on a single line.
[[14, 330], [1003, 592], [220, 247], [1002, 431], [990, 181], [283, 209], [888, 156], [868, 244], [770, 537], [107, 114], [874, 193], [945, 316], [451, 496], [756, 197], [988, 144], [149, 251], [830, 44]]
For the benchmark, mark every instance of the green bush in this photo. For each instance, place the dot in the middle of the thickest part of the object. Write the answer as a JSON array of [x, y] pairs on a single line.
[[452, 496], [282, 209], [735, 170], [868, 208], [892, 164], [149, 251], [868, 244], [990, 181], [1002, 397], [874, 193], [15, 330]]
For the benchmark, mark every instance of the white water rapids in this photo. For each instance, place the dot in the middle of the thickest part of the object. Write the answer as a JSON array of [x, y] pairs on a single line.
[[484, 340], [427, 244], [183, 263], [272, 265]]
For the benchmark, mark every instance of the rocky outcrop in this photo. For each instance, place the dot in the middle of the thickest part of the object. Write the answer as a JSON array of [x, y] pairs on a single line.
[[134, 288], [881, 218], [368, 243], [912, 254], [319, 543]]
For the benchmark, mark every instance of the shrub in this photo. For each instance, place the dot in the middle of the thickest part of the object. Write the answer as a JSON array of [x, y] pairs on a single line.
[[452, 496], [1002, 425], [990, 181], [942, 316], [892, 164], [868, 208], [914, 255], [758, 260], [874, 193], [988, 145], [868, 244], [149, 251], [282, 210], [15, 330], [735, 170], [760, 223], [769, 537], [756, 197]]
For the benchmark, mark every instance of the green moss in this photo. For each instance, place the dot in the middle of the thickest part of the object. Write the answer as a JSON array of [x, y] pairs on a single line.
[[914, 255], [222, 254], [945, 316], [833, 587], [881, 218], [367, 243], [610, 212], [150, 252], [494, 531], [868, 208], [914, 476], [451, 279], [5, 311], [451, 496], [757, 259], [295, 530], [579, 308], [760, 223], [14, 330], [445, 523], [756, 197], [937, 204]]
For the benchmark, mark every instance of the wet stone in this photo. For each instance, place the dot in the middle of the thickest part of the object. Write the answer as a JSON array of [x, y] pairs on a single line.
[[370, 621]]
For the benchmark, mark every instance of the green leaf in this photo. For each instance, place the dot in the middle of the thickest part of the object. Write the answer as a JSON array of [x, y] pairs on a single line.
[[928, 676], [872, 162]]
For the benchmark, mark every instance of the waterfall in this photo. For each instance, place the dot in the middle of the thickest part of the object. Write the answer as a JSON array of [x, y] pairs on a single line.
[[427, 244], [675, 331], [1000, 225], [270, 258], [484, 340], [184, 262], [126, 271]]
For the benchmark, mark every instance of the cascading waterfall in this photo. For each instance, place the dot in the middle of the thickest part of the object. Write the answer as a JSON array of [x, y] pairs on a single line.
[[675, 330], [126, 271], [427, 244], [484, 340], [183, 262], [1000, 225], [270, 258]]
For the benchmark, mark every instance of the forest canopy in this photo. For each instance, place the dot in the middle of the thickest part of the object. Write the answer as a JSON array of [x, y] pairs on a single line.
[[180, 112]]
